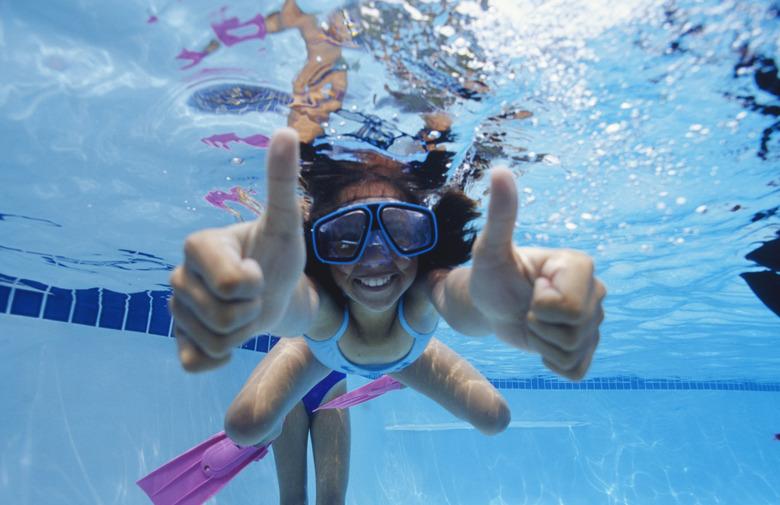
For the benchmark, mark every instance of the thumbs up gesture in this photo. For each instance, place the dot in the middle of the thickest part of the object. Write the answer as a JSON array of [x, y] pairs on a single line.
[[238, 280], [542, 300]]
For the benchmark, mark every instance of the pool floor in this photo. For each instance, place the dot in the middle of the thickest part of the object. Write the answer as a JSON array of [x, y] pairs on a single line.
[[89, 411]]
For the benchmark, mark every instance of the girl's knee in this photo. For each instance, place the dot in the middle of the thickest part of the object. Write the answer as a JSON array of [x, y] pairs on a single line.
[[494, 420], [247, 427]]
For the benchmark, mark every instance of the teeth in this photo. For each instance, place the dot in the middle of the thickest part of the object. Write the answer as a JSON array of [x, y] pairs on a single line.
[[375, 282]]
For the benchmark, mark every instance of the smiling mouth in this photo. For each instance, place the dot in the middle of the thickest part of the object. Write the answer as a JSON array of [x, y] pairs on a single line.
[[374, 283]]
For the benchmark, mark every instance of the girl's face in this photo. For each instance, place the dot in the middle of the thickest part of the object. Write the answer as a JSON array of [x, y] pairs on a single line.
[[381, 276]]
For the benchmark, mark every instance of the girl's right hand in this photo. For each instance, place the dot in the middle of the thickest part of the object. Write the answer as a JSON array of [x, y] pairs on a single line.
[[237, 281]]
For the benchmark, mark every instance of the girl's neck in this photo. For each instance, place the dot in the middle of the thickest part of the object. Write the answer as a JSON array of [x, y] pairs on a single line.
[[372, 324]]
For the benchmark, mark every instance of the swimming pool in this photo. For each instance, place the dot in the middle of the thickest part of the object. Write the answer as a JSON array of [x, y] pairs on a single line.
[[643, 133]]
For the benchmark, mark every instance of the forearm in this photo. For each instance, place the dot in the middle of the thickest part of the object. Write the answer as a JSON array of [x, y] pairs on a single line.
[[450, 295]]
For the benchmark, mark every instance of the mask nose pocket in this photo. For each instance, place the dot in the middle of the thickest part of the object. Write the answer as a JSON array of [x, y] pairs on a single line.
[[377, 251]]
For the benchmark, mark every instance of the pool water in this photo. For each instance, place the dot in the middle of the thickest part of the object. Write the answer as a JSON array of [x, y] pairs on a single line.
[[642, 132]]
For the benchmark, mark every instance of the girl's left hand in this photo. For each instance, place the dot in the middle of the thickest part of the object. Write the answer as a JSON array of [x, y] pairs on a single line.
[[542, 300]]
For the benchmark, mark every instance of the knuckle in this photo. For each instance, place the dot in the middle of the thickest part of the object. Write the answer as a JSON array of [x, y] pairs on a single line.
[[188, 362], [573, 308], [212, 345], [189, 357], [580, 260], [177, 278], [601, 290], [193, 242], [227, 284], [173, 306], [224, 318], [568, 340], [568, 362]]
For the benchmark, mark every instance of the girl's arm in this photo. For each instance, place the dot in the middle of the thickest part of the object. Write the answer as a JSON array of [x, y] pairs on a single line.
[[448, 290], [241, 280], [311, 311]]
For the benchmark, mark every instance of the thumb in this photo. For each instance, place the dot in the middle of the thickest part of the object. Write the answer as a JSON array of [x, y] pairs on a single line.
[[283, 213], [502, 210]]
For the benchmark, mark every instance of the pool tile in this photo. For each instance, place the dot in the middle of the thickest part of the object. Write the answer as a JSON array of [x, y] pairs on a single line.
[[160, 321], [138, 309], [250, 344], [5, 296], [26, 303], [112, 309], [87, 306], [263, 343], [59, 303]]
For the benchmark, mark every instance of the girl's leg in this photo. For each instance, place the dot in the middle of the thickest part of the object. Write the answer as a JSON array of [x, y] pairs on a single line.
[[451, 381], [290, 455], [278, 383], [330, 439]]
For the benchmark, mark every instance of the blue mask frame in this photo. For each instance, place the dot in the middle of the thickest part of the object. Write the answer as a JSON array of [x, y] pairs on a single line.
[[374, 213]]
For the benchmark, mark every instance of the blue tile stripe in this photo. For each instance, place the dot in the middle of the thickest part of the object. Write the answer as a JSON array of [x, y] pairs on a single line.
[[634, 384], [147, 312]]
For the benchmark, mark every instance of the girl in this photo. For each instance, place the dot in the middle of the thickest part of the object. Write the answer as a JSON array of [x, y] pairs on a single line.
[[365, 280]]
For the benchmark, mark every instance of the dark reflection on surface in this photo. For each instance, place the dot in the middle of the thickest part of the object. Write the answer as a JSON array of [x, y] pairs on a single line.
[[766, 283]]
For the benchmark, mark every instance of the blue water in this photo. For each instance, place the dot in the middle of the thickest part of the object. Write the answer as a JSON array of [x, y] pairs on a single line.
[[646, 146]]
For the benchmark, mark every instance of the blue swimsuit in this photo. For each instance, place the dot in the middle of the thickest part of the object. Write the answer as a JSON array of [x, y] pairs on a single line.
[[329, 354]]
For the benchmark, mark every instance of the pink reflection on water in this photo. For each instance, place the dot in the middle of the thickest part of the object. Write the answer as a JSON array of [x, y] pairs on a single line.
[[237, 194], [194, 56], [152, 19], [228, 32], [223, 140], [222, 30]]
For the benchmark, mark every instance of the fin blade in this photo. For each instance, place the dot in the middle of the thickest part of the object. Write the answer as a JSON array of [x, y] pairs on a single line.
[[362, 394], [171, 473], [182, 481]]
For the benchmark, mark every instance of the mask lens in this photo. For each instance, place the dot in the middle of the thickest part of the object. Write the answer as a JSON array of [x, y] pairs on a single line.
[[340, 238], [411, 230]]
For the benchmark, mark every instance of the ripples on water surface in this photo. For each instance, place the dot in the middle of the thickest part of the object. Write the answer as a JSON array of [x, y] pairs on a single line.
[[640, 131]]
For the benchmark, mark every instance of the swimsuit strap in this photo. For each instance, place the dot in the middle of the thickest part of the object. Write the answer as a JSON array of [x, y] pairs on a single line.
[[343, 328], [406, 326]]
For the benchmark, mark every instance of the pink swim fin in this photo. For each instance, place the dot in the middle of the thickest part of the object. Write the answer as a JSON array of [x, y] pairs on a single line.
[[362, 394], [196, 475]]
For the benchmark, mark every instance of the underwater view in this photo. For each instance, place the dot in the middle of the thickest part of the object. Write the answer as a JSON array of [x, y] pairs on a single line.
[[644, 134]]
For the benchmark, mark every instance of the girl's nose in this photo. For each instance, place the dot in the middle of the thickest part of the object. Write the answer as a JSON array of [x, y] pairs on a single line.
[[377, 251]]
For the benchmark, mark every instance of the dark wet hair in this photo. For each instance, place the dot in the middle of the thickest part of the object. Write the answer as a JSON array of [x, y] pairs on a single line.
[[420, 182]]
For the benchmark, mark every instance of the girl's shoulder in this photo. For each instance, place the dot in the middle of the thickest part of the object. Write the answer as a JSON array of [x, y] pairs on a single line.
[[330, 316], [418, 310]]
